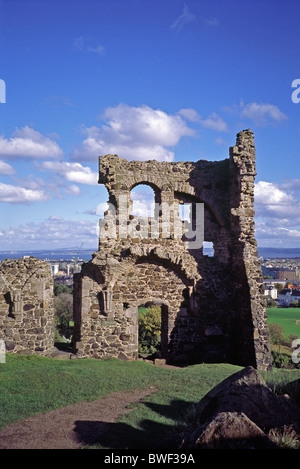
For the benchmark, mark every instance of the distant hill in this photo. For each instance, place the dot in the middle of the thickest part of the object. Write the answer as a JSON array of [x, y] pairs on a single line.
[[86, 254], [288, 253]]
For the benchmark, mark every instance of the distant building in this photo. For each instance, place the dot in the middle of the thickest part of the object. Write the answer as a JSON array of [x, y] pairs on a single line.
[[287, 296], [54, 269], [287, 274], [270, 291]]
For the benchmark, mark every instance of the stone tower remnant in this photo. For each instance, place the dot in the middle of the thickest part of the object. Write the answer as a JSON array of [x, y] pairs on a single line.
[[212, 307], [26, 306]]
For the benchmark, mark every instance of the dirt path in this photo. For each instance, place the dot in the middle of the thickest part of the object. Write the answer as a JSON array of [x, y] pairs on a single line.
[[72, 426]]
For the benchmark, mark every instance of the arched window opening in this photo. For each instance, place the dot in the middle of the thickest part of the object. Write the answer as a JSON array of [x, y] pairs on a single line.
[[208, 249], [143, 201]]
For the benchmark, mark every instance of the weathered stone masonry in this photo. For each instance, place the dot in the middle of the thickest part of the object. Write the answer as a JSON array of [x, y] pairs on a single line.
[[213, 309], [26, 306]]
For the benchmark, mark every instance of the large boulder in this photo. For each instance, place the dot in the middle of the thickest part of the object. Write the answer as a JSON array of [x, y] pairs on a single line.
[[242, 396], [247, 392], [229, 430]]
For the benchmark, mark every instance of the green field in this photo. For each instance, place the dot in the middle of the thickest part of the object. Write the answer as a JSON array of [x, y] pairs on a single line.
[[288, 318]]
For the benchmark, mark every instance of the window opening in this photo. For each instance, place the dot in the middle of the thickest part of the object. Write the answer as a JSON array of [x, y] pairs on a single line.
[[143, 201]]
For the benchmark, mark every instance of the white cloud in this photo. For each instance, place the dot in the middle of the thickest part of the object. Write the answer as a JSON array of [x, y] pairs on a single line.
[[190, 114], [277, 215], [100, 210], [6, 169], [20, 195], [213, 121], [271, 201], [185, 18], [143, 202], [139, 133], [73, 172], [275, 236], [73, 189], [54, 231], [29, 143], [262, 113]]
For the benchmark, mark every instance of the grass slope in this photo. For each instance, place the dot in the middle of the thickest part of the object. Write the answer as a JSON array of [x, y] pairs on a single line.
[[288, 318], [35, 384]]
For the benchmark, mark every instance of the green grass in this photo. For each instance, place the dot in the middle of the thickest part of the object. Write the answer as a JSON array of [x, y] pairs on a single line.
[[35, 384], [288, 318]]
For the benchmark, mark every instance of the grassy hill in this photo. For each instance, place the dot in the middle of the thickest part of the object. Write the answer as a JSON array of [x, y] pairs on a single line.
[[35, 384]]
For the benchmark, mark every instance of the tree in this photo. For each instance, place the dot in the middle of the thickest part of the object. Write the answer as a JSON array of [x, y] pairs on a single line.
[[276, 332], [59, 288], [149, 330], [63, 304]]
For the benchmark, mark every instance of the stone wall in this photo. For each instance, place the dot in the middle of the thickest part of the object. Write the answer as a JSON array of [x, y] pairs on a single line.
[[213, 308], [26, 305]]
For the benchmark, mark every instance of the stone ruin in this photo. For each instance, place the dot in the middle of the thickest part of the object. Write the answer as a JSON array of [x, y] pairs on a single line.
[[26, 306], [212, 307]]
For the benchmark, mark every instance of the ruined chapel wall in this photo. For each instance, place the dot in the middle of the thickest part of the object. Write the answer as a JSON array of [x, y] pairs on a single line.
[[224, 316], [26, 305], [251, 316], [204, 181], [134, 282]]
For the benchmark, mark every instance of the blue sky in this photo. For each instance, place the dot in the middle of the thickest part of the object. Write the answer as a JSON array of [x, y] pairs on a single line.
[[147, 79]]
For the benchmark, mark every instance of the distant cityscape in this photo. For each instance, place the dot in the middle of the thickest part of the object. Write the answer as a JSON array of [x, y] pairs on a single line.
[[280, 268]]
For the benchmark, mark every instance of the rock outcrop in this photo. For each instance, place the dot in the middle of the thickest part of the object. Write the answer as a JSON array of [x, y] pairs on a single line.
[[243, 412]]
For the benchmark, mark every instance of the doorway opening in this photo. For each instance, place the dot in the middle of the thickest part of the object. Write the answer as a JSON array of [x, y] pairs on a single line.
[[153, 330]]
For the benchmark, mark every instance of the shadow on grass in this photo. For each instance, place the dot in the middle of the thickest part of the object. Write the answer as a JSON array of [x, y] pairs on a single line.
[[150, 434]]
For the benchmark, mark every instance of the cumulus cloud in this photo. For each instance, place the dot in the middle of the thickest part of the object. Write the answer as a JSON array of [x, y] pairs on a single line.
[[6, 169], [271, 201], [73, 172], [20, 195], [29, 143], [262, 113], [139, 133], [277, 215]]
